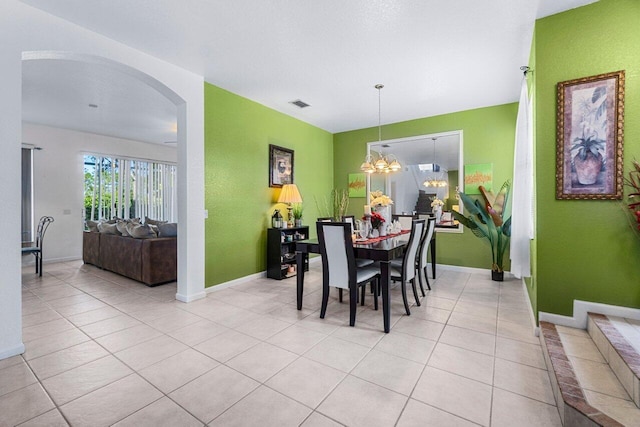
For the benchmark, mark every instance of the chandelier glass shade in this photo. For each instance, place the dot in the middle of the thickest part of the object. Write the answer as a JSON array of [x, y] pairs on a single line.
[[380, 163]]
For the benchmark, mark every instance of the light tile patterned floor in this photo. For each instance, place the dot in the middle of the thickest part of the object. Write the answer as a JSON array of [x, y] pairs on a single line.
[[102, 349]]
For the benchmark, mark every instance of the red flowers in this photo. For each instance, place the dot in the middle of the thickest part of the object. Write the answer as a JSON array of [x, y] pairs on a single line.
[[376, 219]]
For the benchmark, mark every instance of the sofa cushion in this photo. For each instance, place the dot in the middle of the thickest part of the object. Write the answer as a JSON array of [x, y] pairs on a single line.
[[121, 225], [107, 228], [92, 226], [150, 221], [140, 231], [169, 229]]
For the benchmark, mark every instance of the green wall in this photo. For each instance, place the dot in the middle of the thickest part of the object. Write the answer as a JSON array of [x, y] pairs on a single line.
[[237, 194], [488, 138], [585, 249]]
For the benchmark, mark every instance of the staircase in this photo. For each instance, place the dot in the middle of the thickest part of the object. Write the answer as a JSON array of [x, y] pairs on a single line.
[[595, 373], [423, 205]]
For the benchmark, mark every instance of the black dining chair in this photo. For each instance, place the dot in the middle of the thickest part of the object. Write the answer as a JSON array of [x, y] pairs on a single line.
[[339, 267], [405, 270], [36, 250], [351, 219], [421, 260], [325, 219]]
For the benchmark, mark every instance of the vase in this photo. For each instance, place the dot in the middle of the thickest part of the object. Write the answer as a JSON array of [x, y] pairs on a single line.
[[384, 212], [382, 230], [438, 213], [588, 169], [497, 276], [298, 222]]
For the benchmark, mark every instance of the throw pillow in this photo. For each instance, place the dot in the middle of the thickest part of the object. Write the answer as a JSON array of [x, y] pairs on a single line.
[[106, 228], [169, 229], [150, 221], [92, 226], [140, 231], [122, 227]]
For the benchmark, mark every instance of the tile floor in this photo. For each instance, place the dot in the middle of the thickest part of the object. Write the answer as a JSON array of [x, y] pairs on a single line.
[[104, 350]]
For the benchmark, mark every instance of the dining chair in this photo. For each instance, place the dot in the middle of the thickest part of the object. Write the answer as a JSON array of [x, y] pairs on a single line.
[[421, 260], [36, 250], [405, 270], [339, 266], [405, 220], [325, 219], [351, 219]]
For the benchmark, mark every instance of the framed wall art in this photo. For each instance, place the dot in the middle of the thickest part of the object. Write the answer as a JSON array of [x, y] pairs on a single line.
[[357, 185], [589, 137], [280, 166], [477, 175]]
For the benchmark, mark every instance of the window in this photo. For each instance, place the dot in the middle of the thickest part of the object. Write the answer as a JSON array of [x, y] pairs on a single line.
[[129, 188]]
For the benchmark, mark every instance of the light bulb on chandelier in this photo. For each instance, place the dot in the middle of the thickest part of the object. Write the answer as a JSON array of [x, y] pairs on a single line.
[[381, 164]]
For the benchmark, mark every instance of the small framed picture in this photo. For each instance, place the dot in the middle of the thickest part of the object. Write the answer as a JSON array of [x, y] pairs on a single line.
[[589, 137], [280, 166]]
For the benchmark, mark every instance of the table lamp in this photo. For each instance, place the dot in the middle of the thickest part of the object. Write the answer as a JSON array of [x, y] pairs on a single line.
[[289, 195]]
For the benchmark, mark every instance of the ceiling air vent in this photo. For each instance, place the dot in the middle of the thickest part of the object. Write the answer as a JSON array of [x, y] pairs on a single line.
[[298, 103]]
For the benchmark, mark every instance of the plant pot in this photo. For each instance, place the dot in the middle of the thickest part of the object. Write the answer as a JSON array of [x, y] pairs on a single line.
[[587, 170], [497, 276], [298, 222]]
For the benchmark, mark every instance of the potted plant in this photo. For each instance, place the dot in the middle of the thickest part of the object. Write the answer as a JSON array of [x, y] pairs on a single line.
[[490, 220], [296, 209], [588, 159]]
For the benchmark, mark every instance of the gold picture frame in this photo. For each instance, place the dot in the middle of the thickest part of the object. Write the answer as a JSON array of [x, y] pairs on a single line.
[[589, 137]]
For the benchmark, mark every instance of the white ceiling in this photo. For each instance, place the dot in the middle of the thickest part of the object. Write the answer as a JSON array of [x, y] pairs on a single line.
[[58, 93], [433, 56]]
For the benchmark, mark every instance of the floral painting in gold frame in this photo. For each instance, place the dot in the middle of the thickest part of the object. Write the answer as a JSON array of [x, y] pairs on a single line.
[[589, 137]]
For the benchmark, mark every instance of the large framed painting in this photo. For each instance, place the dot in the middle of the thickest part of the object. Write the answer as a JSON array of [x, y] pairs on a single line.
[[280, 166], [589, 137]]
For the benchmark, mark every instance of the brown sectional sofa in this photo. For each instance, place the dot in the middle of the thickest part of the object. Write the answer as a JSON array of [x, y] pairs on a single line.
[[150, 261]]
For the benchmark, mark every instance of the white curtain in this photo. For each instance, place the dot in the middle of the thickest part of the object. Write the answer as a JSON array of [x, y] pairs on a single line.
[[522, 208]]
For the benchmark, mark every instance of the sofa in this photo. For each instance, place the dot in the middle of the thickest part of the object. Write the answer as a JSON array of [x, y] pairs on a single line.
[[150, 261]]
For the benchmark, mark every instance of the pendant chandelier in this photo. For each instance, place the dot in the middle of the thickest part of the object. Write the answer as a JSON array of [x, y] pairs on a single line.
[[381, 164], [436, 180]]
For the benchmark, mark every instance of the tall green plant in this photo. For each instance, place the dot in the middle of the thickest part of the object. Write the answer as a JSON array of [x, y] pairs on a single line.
[[490, 220]]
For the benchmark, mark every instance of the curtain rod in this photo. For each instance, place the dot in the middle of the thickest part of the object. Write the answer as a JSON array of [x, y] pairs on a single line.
[[525, 69]]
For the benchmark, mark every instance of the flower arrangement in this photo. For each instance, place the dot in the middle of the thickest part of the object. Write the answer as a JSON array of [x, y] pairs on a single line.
[[376, 219], [436, 203], [378, 199]]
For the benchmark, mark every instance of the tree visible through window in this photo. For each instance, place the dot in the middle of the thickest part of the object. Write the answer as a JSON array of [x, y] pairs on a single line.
[[129, 188]]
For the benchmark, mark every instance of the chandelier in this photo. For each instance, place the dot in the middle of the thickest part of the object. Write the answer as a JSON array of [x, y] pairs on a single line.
[[435, 180], [381, 163]]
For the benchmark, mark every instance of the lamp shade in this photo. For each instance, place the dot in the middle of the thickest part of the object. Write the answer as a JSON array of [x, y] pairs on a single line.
[[290, 194]]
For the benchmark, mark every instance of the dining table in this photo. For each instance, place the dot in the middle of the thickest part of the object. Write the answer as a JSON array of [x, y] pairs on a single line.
[[382, 250]]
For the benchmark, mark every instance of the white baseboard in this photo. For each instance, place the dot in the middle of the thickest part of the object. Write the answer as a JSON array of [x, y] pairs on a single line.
[[12, 351], [32, 260], [185, 298], [532, 316], [471, 270], [234, 282], [580, 310], [244, 279]]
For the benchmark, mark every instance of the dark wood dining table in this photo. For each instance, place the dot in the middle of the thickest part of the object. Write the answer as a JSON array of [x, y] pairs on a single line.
[[383, 251]]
